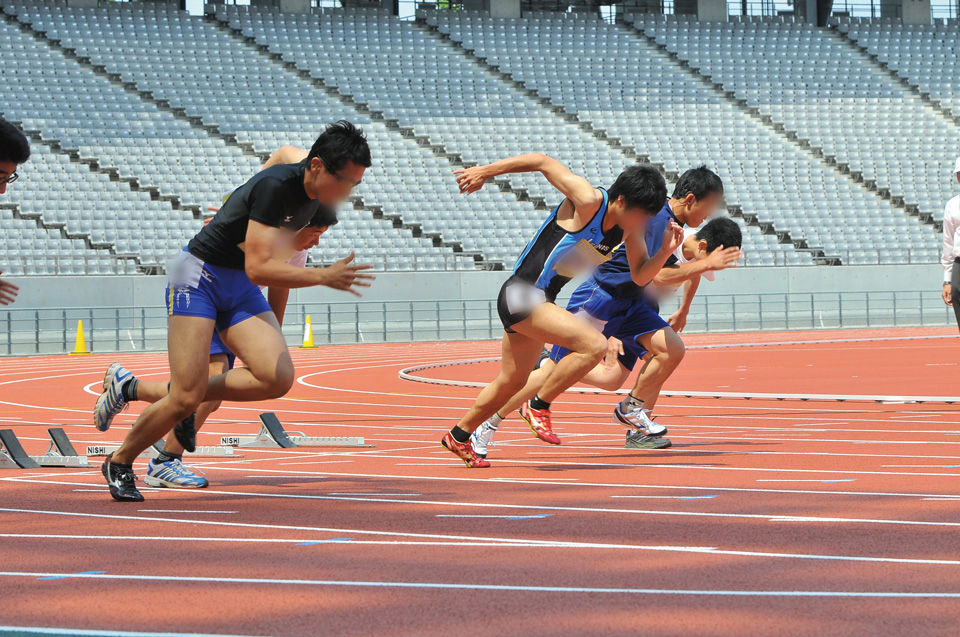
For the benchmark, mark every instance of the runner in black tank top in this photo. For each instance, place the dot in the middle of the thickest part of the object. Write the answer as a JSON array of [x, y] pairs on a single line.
[[577, 236]]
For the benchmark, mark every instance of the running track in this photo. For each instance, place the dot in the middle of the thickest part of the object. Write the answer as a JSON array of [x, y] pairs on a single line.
[[766, 517]]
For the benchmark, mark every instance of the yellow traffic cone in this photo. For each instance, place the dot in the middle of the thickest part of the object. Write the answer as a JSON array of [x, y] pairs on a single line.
[[308, 335], [80, 348]]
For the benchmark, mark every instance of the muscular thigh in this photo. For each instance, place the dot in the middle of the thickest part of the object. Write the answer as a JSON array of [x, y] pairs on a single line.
[[188, 345], [258, 342], [551, 324]]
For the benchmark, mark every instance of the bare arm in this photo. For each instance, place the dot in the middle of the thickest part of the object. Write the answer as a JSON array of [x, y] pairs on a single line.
[[285, 155], [574, 187], [644, 267], [678, 320], [263, 269], [277, 298]]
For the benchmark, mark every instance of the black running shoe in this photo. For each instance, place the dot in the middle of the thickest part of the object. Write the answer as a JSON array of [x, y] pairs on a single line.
[[186, 433], [544, 355], [122, 482], [640, 440]]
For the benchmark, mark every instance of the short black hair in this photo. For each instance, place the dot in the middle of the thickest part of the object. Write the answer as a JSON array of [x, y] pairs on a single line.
[[641, 186], [324, 217], [339, 144], [701, 181], [722, 231], [14, 146]]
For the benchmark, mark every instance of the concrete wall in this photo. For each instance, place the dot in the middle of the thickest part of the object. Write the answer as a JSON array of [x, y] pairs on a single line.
[[916, 11], [147, 291], [712, 10]]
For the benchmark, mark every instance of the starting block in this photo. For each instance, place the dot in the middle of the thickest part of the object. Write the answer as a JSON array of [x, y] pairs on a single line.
[[212, 451], [60, 453], [273, 436]]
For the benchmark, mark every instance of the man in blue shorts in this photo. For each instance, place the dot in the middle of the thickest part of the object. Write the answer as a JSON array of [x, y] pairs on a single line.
[[613, 303], [213, 285], [579, 234]]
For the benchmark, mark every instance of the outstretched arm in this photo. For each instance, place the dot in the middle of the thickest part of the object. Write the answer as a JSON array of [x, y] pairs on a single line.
[[574, 187], [285, 155], [678, 320], [720, 259]]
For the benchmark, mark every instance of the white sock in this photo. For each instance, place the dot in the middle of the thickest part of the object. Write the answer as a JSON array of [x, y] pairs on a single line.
[[494, 421]]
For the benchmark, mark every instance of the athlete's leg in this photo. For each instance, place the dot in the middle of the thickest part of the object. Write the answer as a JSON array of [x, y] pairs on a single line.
[[534, 382], [666, 350], [188, 344], [549, 323], [268, 371], [519, 354], [219, 364], [607, 378]]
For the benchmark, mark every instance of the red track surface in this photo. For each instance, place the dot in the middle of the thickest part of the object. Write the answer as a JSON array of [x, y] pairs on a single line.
[[788, 518]]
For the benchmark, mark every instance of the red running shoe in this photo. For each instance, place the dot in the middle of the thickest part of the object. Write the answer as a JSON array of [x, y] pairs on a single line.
[[539, 421], [464, 451]]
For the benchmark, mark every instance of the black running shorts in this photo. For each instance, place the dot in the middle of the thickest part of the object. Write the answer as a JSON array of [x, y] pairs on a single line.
[[517, 300]]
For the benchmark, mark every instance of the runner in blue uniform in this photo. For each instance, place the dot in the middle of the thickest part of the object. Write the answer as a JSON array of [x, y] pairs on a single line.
[[579, 235], [213, 285]]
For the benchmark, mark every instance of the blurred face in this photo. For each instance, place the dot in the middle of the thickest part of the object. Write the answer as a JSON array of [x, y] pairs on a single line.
[[308, 237], [630, 218], [332, 187], [697, 210], [7, 170]]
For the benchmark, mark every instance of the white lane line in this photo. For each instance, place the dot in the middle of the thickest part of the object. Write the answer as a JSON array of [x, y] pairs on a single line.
[[180, 511], [486, 587], [569, 509]]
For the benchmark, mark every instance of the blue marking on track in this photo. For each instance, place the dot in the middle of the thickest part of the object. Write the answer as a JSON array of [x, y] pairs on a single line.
[[529, 517], [330, 541], [951, 466], [843, 480], [697, 497], [66, 576]]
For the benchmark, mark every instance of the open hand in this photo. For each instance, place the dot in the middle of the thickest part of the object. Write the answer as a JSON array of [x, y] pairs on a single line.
[[614, 349], [344, 275], [8, 292], [723, 258], [678, 321], [672, 237], [470, 180]]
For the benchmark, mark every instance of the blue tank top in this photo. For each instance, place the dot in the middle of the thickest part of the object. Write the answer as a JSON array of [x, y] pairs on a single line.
[[555, 255], [614, 275]]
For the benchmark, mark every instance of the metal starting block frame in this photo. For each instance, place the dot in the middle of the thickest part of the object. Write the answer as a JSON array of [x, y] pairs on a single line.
[[60, 452], [153, 451], [273, 436]]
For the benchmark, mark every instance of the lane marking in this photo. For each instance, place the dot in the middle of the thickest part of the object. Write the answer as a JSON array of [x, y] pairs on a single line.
[[504, 517], [490, 587], [180, 511]]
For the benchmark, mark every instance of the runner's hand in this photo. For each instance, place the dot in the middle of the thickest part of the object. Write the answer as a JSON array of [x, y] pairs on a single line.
[[672, 237], [678, 321], [947, 294], [8, 292], [343, 275], [470, 180], [723, 258], [614, 349]]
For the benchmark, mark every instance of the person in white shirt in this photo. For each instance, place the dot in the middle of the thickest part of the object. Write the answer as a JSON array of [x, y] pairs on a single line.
[[951, 250]]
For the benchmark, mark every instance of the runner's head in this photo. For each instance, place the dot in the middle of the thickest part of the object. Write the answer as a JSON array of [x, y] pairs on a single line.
[[638, 194], [309, 236], [698, 194], [722, 231], [336, 163], [14, 150]]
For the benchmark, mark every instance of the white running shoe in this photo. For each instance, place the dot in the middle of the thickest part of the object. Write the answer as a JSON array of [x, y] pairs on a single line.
[[638, 419], [111, 402], [173, 474], [483, 438]]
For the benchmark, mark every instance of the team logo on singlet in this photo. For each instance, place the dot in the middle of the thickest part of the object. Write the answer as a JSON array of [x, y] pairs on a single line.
[[584, 256]]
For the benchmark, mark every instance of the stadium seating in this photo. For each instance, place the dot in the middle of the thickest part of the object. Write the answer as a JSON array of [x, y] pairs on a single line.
[[829, 93], [189, 86]]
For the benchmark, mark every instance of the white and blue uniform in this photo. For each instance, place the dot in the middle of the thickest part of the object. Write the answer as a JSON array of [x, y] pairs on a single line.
[[617, 306], [551, 259]]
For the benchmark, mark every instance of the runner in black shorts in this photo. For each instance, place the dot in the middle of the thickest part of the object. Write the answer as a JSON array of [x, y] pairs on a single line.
[[578, 235], [213, 285]]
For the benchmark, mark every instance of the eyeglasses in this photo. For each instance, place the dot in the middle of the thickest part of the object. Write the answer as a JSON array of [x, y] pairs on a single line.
[[338, 176], [9, 180]]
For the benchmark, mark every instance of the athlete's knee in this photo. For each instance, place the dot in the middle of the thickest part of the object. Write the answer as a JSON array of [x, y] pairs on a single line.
[[596, 346], [673, 349], [609, 384], [182, 403], [281, 380]]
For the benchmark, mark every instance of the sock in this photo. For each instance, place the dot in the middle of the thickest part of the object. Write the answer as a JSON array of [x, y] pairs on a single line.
[[168, 457], [495, 420], [538, 403], [459, 435], [123, 468], [630, 403], [129, 391]]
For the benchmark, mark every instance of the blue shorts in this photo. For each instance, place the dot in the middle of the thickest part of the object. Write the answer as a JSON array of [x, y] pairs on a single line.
[[625, 319], [223, 295], [217, 346]]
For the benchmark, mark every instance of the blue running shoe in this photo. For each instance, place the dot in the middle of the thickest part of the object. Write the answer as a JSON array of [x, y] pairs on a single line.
[[173, 474], [111, 401]]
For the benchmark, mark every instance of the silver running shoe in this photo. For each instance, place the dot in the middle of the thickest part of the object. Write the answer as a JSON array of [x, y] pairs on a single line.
[[638, 419], [639, 440], [111, 401], [483, 438]]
